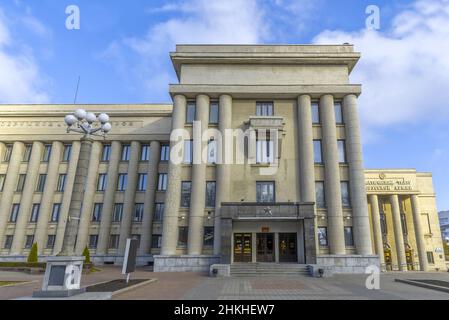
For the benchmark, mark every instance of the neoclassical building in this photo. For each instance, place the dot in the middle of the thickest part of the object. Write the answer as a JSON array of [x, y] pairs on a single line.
[[258, 159]]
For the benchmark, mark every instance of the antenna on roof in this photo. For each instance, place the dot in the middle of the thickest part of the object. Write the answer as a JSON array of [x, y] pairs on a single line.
[[76, 92]]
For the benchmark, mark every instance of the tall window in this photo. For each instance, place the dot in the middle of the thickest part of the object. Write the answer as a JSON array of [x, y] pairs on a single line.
[[165, 153], [96, 213], [35, 212], [430, 258], [265, 192], [264, 109], [208, 239], [2, 181], [126, 152], [67, 153], [317, 151], [145, 152], [345, 197], [55, 212], [210, 194], [8, 153], [121, 182], [188, 151], [212, 151], [47, 153], [156, 241], [191, 110], [51, 241], [322, 236], [102, 182], [213, 113], [315, 113], [136, 237], [185, 193], [159, 212], [8, 241], [21, 182], [14, 212], [162, 182], [41, 183], [341, 151], [106, 154], [93, 241], [183, 233], [138, 212], [29, 240], [113, 241], [142, 182], [404, 223], [118, 212], [61, 183], [27, 153], [319, 194], [338, 113], [349, 237], [264, 150]]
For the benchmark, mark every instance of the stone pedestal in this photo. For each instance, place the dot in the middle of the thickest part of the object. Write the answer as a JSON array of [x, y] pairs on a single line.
[[185, 263]]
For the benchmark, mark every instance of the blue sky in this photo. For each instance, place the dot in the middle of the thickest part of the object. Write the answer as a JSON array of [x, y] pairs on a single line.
[[121, 54]]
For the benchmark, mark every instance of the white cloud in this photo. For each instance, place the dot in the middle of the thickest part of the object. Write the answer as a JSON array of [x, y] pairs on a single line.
[[405, 69]]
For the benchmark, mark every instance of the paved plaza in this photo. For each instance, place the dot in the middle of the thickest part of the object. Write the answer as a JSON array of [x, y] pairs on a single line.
[[198, 286]]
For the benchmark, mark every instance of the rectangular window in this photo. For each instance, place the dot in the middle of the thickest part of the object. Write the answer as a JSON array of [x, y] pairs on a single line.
[[213, 113], [41, 183], [121, 182], [322, 236], [2, 181], [183, 233], [126, 152], [21, 182], [145, 152], [118, 212], [338, 113], [162, 182], [317, 151], [138, 212], [404, 224], [51, 241], [210, 194], [8, 241], [165, 153], [113, 241], [8, 153], [430, 258], [264, 109], [61, 182], [188, 152], [96, 213], [212, 152], [191, 110], [341, 151], [142, 182], [102, 182], [265, 151], [67, 153], [35, 212], [185, 194], [27, 153], [47, 153], [349, 237], [429, 229], [136, 237], [106, 154], [14, 212], [315, 113], [345, 197], [156, 241], [319, 194], [55, 212], [29, 241], [208, 239], [159, 212], [265, 192], [93, 241]]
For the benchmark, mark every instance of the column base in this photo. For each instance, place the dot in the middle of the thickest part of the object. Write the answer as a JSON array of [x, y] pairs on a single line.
[[184, 263]]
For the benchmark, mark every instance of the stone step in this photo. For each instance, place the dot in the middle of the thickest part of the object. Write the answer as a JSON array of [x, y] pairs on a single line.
[[268, 269]]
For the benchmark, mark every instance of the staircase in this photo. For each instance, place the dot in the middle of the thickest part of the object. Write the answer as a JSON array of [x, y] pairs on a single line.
[[268, 269]]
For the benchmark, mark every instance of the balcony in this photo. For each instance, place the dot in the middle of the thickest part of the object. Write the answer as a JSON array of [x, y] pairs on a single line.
[[266, 123], [267, 211]]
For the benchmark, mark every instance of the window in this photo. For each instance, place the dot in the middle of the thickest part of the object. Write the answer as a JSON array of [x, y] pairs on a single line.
[[162, 182], [183, 233], [136, 237], [47, 153], [35, 212], [126, 151], [264, 109], [315, 113], [27, 153], [213, 113], [121, 182], [55, 212], [14, 212], [138, 212], [51, 241], [317, 151], [191, 110], [165, 153], [2, 181], [142, 182], [188, 152], [102, 182], [159, 212], [210, 194], [61, 183], [106, 154], [319, 194], [41, 183], [208, 239], [67, 153], [212, 152], [96, 213], [145, 153], [113, 241], [93, 241], [118, 212], [345, 198], [349, 237], [8, 241], [322, 236], [21, 182], [156, 241], [265, 192], [338, 113], [8, 153], [429, 229], [185, 194], [341, 151], [404, 224], [29, 241], [264, 151], [430, 259]]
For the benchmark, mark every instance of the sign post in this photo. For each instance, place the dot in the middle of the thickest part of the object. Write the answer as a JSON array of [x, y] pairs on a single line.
[[129, 260]]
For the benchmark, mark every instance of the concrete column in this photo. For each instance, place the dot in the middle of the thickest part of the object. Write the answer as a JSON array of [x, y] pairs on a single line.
[[224, 168], [89, 197], [10, 186], [419, 234], [173, 194], [377, 230], [109, 196], [26, 201], [360, 217], [398, 233], [332, 177], [130, 192], [150, 194], [46, 209], [196, 216]]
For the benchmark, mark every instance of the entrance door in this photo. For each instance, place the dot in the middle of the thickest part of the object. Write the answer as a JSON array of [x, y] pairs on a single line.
[[265, 247], [288, 251], [242, 247]]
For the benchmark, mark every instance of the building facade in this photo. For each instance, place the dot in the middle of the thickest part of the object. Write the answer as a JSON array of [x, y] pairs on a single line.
[[259, 159], [444, 225]]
